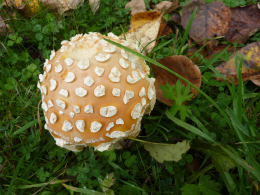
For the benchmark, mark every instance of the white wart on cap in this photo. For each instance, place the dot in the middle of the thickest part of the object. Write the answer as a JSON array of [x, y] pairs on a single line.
[[93, 93]]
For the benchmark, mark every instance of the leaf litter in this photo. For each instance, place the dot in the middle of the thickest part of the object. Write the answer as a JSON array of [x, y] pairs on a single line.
[[211, 19]]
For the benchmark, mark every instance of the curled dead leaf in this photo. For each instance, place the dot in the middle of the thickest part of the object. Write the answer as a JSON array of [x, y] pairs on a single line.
[[136, 6], [210, 20], [250, 66], [140, 19], [145, 28], [183, 66], [245, 22], [166, 6]]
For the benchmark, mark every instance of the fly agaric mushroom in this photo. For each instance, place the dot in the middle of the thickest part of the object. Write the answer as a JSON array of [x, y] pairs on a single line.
[[94, 93]]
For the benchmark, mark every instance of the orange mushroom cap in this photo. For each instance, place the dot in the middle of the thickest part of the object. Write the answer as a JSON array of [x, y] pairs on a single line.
[[94, 93]]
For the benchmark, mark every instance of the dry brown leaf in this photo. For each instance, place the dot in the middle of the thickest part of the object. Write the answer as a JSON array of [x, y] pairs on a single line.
[[211, 19], [183, 66], [250, 67], [62, 5], [136, 6], [31, 7], [94, 5], [145, 27], [245, 22], [166, 6]]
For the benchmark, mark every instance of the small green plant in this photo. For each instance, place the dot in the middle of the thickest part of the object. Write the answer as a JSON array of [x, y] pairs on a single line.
[[180, 94]]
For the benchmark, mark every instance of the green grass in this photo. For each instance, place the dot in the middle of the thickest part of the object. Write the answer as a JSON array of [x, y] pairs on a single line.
[[222, 122]]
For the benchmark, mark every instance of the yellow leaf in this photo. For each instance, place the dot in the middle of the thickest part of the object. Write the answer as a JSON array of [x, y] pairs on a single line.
[[250, 66]]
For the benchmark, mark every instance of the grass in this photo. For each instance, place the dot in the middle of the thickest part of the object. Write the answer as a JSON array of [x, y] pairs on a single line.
[[222, 121]]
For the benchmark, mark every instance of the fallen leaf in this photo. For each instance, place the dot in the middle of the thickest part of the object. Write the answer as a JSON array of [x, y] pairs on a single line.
[[94, 5], [181, 65], [136, 6], [167, 152], [245, 22], [31, 7], [166, 6], [62, 5], [140, 19], [211, 19], [250, 66], [145, 28]]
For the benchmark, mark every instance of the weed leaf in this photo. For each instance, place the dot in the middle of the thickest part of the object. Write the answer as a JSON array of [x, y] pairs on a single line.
[[167, 152], [179, 94]]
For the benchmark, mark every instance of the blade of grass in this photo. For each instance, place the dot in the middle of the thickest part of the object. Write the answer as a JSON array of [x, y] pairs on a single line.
[[230, 183], [189, 127], [25, 127], [162, 45], [198, 123], [238, 126], [254, 170], [42, 184], [238, 104], [187, 30], [83, 190], [132, 185], [241, 162]]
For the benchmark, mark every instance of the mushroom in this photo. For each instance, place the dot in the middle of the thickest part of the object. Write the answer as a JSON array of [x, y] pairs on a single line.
[[94, 93]]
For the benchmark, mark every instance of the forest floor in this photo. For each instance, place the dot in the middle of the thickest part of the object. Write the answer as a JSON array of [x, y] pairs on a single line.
[[223, 133]]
